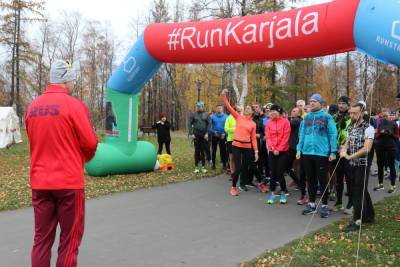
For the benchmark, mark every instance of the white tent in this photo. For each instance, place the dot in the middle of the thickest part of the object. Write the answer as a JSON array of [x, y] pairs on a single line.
[[9, 127]]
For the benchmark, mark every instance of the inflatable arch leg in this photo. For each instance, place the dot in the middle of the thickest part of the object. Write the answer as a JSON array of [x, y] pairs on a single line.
[[122, 153]]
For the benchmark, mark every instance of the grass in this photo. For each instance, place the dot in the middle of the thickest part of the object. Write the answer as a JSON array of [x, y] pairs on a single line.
[[379, 246], [14, 174]]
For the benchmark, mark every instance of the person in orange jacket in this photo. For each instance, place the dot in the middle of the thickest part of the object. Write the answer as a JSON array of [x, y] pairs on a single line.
[[244, 145]]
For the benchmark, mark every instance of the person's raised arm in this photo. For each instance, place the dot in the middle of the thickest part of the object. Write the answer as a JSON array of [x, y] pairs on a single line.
[[231, 110]]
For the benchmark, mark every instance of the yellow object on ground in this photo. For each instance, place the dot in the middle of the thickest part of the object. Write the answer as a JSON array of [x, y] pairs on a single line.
[[166, 162]]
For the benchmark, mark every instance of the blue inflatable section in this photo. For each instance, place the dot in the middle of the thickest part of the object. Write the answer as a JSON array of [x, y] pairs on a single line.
[[136, 69], [377, 29]]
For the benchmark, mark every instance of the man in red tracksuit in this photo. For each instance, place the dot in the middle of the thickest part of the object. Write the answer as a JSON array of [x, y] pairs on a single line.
[[61, 140]]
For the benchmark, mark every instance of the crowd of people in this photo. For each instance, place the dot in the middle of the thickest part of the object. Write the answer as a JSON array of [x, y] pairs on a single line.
[[323, 149]]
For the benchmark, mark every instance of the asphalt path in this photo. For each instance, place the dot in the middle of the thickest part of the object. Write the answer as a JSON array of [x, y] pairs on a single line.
[[195, 223]]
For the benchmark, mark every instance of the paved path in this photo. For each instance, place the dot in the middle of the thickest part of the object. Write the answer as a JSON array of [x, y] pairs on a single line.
[[187, 224]]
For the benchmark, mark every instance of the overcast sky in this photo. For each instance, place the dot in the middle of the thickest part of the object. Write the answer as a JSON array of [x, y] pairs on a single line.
[[119, 13]]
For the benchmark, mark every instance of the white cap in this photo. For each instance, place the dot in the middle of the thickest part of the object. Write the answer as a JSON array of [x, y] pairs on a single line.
[[61, 72]]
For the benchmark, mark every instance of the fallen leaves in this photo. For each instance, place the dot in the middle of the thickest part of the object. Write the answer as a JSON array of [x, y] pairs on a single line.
[[331, 247], [14, 175]]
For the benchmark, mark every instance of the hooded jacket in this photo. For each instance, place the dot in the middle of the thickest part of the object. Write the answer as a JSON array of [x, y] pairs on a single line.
[[317, 134]]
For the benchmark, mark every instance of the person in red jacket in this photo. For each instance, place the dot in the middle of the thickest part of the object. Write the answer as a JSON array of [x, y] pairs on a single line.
[[61, 139], [244, 144], [277, 133]]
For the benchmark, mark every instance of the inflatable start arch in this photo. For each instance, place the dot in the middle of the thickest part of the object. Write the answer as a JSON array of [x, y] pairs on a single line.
[[371, 26]]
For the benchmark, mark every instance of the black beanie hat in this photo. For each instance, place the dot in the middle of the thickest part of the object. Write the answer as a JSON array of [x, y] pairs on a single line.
[[333, 109], [344, 99], [276, 108]]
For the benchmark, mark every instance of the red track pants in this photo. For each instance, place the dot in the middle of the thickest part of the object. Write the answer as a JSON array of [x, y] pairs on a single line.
[[53, 207]]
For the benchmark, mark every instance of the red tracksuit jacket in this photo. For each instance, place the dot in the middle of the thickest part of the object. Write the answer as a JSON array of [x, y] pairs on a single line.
[[277, 133], [61, 140]]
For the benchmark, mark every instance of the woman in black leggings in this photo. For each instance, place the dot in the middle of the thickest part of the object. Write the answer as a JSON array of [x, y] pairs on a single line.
[[244, 144]]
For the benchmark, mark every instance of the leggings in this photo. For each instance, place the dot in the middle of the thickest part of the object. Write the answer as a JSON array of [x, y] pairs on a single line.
[[360, 175], [167, 147], [386, 156], [264, 158], [342, 172], [278, 165], [215, 142], [200, 150], [242, 158]]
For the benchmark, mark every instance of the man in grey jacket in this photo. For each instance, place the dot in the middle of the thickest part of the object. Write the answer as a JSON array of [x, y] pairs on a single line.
[[199, 124]]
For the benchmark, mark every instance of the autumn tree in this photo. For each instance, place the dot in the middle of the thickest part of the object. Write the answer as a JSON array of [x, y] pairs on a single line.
[[96, 63], [16, 13]]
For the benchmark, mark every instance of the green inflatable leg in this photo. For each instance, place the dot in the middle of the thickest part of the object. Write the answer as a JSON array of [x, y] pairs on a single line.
[[122, 153]]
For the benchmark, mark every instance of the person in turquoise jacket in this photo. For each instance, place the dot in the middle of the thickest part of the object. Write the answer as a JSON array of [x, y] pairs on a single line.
[[317, 146]]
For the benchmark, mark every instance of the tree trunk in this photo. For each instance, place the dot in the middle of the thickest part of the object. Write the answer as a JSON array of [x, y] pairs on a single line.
[[365, 89], [149, 102], [234, 82], [245, 87], [379, 92], [17, 69], [309, 76], [273, 81], [12, 94], [41, 61], [240, 96], [335, 81], [296, 80]]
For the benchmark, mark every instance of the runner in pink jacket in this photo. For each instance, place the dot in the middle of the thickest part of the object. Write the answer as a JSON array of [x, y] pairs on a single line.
[[277, 133]]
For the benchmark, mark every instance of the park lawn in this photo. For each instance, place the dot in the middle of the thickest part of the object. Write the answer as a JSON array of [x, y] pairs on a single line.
[[14, 174], [379, 246]]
